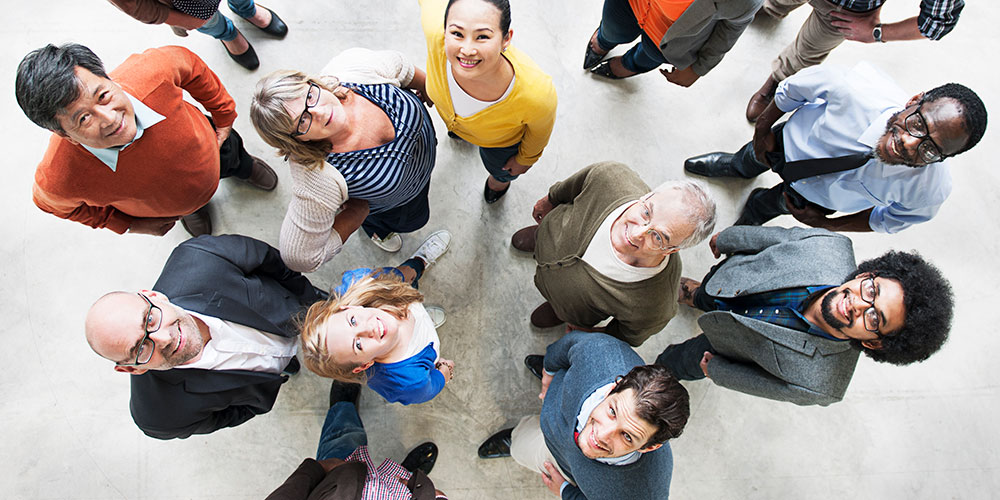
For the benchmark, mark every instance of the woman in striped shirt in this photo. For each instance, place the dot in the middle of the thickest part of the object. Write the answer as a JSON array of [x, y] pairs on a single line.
[[361, 153]]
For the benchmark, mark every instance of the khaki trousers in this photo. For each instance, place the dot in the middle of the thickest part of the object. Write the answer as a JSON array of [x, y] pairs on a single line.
[[816, 39], [527, 446]]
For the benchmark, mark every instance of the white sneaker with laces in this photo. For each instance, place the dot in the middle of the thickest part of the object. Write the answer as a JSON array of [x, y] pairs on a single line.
[[391, 243], [433, 247], [437, 315]]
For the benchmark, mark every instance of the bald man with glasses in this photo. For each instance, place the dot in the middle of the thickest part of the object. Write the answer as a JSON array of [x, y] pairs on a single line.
[[210, 345]]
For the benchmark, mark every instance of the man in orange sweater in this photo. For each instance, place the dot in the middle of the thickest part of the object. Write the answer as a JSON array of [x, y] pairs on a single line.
[[127, 152]]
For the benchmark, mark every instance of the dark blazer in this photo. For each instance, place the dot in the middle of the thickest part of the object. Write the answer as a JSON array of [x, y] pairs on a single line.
[[234, 278]]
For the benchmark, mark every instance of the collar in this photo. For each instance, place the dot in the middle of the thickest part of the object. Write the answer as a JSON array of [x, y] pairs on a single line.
[[144, 117], [876, 129]]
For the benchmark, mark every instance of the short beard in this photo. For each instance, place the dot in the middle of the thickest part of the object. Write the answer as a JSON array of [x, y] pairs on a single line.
[[827, 311]]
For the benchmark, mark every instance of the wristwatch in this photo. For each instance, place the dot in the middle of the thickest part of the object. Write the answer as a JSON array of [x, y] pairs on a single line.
[[877, 33]]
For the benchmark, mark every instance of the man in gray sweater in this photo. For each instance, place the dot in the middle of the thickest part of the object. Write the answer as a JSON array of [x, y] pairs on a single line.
[[606, 417]]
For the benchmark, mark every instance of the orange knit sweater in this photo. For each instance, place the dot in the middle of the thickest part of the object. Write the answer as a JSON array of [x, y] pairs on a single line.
[[655, 17], [172, 170]]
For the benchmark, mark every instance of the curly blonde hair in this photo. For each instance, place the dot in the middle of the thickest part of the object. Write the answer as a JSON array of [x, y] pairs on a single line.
[[382, 290], [271, 120]]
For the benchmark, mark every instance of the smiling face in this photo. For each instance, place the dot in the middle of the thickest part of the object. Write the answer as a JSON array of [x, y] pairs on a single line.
[[842, 310], [328, 119], [653, 227], [473, 39], [361, 335], [117, 323], [613, 429], [102, 117], [944, 126]]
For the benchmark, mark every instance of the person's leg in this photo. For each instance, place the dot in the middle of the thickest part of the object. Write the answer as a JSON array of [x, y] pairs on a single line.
[[527, 446], [684, 360], [762, 205], [494, 159], [781, 8], [412, 269], [342, 432], [816, 39], [405, 218], [618, 25], [243, 8], [643, 57], [220, 28], [233, 158]]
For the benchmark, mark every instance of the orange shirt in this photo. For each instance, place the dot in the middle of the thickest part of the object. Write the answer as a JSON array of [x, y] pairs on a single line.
[[656, 16]]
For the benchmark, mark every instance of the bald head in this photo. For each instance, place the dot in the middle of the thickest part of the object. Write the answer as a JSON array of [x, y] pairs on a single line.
[[109, 319]]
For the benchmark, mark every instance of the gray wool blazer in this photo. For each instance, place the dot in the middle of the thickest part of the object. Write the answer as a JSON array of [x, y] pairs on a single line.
[[771, 361], [706, 31]]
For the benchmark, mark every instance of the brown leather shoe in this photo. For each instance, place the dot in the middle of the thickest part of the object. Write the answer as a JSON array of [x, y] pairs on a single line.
[[524, 238], [545, 317], [262, 176], [761, 99], [198, 223]]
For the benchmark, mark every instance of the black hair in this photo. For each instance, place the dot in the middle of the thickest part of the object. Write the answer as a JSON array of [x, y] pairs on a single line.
[[659, 399], [928, 303], [973, 110], [46, 81], [502, 5]]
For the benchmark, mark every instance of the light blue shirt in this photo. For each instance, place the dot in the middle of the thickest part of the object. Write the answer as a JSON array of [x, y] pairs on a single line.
[[840, 112], [145, 117]]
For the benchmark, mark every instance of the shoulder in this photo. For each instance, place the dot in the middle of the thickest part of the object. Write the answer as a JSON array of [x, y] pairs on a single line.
[[534, 85], [145, 71]]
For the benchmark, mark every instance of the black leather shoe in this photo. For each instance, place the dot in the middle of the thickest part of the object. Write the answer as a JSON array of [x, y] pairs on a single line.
[[422, 457], [716, 164], [591, 58], [492, 196], [344, 391], [544, 316], [534, 364], [292, 367], [604, 70], [276, 27], [497, 446], [247, 59]]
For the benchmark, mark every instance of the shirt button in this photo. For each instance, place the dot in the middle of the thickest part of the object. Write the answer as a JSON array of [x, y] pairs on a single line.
[[760, 311], [775, 311]]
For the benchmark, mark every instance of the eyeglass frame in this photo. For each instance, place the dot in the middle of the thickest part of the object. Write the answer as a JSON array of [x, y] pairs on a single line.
[[305, 112], [871, 304], [648, 223], [923, 136], [145, 338]]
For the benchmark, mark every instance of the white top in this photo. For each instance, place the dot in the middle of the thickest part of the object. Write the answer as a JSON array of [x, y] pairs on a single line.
[[237, 347], [423, 332], [465, 104], [602, 257]]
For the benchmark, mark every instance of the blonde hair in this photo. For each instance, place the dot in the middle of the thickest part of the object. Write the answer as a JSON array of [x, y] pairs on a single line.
[[271, 120], [383, 290]]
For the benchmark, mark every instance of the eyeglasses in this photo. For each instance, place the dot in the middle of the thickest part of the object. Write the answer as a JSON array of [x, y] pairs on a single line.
[[871, 315], [927, 151], [306, 119], [151, 323], [659, 240]]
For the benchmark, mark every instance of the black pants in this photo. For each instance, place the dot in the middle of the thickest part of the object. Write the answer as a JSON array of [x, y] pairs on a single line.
[[402, 219], [233, 159]]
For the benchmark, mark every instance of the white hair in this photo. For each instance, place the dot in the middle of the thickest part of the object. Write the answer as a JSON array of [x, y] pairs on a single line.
[[699, 207]]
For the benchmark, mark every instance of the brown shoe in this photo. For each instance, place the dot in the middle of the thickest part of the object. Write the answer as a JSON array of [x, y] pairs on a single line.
[[262, 176], [761, 99], [545, 317], [524, 238], [198, 223]]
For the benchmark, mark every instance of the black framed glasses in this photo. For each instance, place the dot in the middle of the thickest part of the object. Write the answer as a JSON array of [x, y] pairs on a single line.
[[305, 119], [927, 151], [871, 315], [151, 323]]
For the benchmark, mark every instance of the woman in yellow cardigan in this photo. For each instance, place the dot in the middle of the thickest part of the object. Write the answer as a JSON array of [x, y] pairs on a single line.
[[486, 91]]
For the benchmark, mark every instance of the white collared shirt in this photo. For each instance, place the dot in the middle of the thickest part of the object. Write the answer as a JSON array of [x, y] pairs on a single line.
[[145, 117], [237, 347]]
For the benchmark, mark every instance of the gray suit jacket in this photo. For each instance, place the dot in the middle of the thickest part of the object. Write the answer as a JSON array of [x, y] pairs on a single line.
[[771, 361], [706, 31]]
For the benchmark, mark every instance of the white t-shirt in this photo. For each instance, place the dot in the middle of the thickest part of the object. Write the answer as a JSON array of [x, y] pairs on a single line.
[[465, 104], [423, 332]]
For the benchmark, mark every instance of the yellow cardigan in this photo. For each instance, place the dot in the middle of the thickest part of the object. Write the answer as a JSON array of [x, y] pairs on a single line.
[[526, 115]]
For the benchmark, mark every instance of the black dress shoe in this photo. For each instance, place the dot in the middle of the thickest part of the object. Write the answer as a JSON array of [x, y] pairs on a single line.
[[247, 59], [544, 316], [422, 457], [591, 58], [716, 164], [276, 27], [492, 196], [534, 364], [292, 367], [604, 70], [344, 391], [497, 446]]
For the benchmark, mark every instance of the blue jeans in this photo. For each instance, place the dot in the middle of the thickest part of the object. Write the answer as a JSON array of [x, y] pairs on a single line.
[[342, 432], [221, 27], [494, 159], [618, 26]]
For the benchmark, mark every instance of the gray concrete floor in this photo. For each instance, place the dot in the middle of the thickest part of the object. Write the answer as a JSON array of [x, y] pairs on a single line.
[[914, 432]]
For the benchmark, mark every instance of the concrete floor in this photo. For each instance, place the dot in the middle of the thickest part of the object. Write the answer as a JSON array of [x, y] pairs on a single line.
[[915, 432]]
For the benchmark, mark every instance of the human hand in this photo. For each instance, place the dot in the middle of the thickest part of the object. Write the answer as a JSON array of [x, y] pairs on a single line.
[[683, 77], [764, 141], [542, 208], [156, 226], [552, 478], [447, 368], [807, 215], [857, 27], [704, 363], [546, 380], [713, 244], [221, 134], [331, 463], [422, 94], [514, 168]]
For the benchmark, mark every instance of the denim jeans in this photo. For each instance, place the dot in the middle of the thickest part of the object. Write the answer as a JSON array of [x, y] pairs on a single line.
[[221, 27], [342, 432], [494, 159], [618, 26]]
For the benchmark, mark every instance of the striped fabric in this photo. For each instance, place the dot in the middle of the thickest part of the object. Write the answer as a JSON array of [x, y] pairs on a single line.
[[382, 482], [937, 17], [392, 174]]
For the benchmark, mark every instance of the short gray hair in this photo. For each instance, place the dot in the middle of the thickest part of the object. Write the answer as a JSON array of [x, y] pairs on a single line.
[[699, 207]]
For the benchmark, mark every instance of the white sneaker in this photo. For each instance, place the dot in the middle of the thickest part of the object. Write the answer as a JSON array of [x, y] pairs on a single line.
[[391, 243], [437, 315], [433, 247]]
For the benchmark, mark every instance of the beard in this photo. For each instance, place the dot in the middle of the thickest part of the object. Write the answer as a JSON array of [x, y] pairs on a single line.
[[193, 341], [891, 135], [827, 310]]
